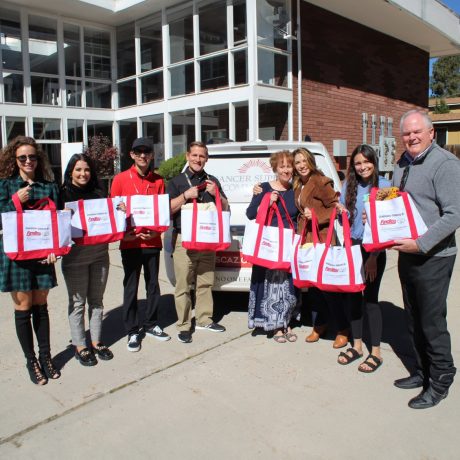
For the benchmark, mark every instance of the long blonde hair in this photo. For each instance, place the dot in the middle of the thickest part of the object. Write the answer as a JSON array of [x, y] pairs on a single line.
[[311, 164]]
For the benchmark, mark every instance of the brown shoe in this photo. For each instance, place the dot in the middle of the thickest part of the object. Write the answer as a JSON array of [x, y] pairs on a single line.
[[316, 333], [341, 340]]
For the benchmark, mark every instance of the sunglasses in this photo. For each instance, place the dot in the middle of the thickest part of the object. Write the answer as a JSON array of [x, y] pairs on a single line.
[[139, 152], [24, 158]]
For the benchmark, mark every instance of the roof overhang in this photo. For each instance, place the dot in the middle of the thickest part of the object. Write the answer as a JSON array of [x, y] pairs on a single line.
[[426, 24]]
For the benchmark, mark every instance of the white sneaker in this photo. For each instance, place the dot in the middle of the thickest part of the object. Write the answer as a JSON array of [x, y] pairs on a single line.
[[134, 343]]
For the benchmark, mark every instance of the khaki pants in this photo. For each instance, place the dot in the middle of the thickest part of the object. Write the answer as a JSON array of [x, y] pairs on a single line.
[[193, 267]]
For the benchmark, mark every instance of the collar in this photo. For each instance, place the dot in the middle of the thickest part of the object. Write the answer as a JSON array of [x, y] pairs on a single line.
[[134, 170], [420, 156], [191, 175]]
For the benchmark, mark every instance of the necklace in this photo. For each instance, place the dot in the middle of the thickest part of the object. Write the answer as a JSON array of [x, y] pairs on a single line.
[[135, 186]]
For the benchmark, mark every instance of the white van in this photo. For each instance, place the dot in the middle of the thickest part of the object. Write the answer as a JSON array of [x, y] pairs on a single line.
[[238, 166]]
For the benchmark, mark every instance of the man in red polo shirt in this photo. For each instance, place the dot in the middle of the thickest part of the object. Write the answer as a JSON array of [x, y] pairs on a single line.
[[142, 249]]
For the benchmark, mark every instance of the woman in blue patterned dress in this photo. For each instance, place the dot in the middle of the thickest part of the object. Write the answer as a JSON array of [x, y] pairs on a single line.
[[25, 171], [272, 298]]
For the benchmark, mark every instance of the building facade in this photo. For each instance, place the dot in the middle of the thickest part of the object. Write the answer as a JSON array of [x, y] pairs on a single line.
[[206, 69]]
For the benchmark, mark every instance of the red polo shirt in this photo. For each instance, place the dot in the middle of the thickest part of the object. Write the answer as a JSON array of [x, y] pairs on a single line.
[[130, 182]]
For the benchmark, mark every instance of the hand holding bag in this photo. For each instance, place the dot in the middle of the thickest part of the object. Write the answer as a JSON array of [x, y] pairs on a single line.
[[302, 257], [390, 220], [337, 268], [148, 212], [37, 232], [97, 221], [206, 230], [268, 246]]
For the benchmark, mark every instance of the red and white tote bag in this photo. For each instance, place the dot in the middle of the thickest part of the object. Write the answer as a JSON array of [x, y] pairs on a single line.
[[36, 233], [390, 220], [97, 221], [148, 212], [265, 245], [205, 229], [338, 268], [302, 256]]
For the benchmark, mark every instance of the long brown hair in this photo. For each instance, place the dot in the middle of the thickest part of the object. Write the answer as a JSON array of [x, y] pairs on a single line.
[[9, 165], [352, 177], [311, 163]]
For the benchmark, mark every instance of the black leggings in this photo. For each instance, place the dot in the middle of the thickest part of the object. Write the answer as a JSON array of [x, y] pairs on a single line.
[[368, 301]]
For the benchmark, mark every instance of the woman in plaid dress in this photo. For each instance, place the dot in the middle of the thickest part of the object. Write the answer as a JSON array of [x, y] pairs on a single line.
[[25, 171]]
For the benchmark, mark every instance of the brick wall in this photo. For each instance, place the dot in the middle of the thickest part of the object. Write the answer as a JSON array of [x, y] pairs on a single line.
[[348, 69]]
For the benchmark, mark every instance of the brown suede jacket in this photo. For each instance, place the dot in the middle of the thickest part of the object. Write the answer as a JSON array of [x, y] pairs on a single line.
[[318, 194]]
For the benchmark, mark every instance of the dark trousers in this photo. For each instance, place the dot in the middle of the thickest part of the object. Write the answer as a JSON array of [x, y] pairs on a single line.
[[425, 284], [326, 308], [369, 302], [133, 260]]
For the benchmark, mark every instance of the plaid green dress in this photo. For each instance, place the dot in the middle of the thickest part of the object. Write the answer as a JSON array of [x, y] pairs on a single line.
[[27, 275]]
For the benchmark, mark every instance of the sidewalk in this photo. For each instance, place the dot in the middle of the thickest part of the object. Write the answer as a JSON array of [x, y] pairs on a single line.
[[227, 396]]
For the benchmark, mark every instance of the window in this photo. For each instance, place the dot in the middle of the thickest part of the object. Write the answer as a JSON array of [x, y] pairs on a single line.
[[241, 122], [272, 68], [128, 132], [13, 87], [214, 72], [75, 130], [97, 54], [183, 130], [126, 55], [72, 50], [47, 128], [239, 22], [45, 90], [181, 35], [15, 126], [213, 26], [43, 45], [152, 87], [214, 123], [127, 93], [240, 59], [182, 80], [151, 46], [273, 120], [73, 93], [10, 39], [99, 127], [272, 23], [98, 95], [152, 126]]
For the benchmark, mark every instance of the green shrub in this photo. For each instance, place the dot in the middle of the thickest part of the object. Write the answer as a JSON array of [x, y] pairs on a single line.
[[172, 167], [441, 107]]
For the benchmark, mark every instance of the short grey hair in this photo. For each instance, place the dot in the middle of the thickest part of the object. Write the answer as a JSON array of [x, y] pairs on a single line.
[[422, 113]]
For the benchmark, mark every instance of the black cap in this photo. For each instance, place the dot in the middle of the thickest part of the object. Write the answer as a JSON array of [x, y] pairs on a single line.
[[142, 142]]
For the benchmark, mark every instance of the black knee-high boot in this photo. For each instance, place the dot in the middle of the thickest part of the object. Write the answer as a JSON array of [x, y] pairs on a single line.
[[41, 322], [24, 332]]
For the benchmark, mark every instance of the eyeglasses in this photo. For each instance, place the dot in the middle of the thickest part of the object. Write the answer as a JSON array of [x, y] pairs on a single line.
[[24, 158], [139, 152]]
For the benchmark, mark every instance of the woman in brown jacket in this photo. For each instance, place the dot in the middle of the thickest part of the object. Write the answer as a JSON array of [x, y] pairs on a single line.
[[314, 191]]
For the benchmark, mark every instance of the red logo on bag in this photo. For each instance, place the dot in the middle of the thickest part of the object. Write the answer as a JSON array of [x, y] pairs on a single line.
[[266, 243], [141, 212], [388, 222], [205, 227], [94, 219], [33, 233], [304, 266], [333, 270]]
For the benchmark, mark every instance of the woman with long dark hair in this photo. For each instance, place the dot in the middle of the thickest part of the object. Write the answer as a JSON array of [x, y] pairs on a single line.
[[85, 268], [25, 172], [362, 175]]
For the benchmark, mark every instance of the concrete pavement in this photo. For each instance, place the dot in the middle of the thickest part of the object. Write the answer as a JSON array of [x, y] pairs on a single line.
[[225, 396]]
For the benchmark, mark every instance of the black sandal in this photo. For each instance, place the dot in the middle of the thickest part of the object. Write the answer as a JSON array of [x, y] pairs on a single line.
[[35, 372], [349, 359], [48, 367], [373, 365]]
